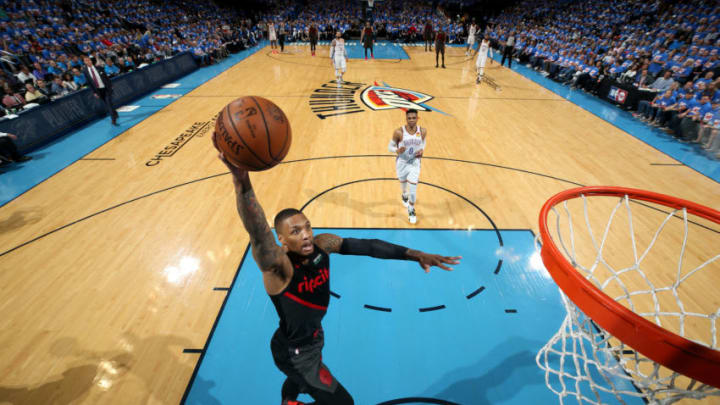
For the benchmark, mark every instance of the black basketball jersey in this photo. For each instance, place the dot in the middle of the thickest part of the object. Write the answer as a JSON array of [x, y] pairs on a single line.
[[302, 305]]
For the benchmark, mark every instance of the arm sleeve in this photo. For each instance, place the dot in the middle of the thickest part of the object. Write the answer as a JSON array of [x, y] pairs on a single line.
[[393, 147], [373, 248]]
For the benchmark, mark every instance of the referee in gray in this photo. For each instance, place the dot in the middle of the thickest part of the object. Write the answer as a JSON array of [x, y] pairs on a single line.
[[508, 51]]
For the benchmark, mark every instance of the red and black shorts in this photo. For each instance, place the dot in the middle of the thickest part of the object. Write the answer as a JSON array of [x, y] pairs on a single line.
[[303, 363]]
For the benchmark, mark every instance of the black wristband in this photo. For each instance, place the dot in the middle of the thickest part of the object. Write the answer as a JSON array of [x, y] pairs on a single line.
[[374, 248]]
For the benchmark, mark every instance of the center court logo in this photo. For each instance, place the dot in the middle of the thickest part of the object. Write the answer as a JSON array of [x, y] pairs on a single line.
[[387, 98], [332, 100]]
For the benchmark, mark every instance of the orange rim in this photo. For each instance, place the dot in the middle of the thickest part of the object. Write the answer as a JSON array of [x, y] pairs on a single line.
[[675, 352]]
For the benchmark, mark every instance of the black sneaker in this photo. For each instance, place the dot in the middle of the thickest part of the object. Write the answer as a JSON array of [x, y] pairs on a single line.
[[405, 201]]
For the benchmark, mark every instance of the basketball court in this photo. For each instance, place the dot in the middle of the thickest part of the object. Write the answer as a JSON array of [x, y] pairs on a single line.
[[127, 279]]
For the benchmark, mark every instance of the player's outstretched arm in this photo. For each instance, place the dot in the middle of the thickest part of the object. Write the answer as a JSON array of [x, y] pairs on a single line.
[[267, 254], [383, 250]]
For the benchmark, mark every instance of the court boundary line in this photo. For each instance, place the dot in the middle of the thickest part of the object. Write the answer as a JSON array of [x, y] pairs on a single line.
[[247, 249], [367, 306], [586, 106], [304, 160], [212, 330]]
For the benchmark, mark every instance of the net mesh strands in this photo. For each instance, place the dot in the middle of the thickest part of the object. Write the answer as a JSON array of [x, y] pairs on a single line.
[[669, 314]]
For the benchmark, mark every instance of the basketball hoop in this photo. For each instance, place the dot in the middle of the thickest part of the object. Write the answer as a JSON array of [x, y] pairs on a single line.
[[627, 334]]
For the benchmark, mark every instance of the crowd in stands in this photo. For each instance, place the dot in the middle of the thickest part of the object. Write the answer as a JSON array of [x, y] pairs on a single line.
[[668, 50], [394, 20], [44, 41]]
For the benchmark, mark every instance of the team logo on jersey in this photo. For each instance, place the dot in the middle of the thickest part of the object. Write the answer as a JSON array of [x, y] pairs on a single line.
[[385, 97]]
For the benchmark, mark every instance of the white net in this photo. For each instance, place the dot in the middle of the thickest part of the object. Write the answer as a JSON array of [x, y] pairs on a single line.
[[585, 364]]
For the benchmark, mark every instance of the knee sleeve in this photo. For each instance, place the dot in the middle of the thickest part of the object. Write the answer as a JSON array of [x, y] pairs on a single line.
[[413, 191]]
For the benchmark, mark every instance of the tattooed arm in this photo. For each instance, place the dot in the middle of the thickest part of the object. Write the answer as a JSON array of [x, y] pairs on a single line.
[[267, 254]]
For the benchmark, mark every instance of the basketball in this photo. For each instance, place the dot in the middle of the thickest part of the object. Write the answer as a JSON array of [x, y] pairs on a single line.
[[253, 133]]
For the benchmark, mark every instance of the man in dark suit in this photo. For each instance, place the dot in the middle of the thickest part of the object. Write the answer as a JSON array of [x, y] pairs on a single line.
[[101, 85]]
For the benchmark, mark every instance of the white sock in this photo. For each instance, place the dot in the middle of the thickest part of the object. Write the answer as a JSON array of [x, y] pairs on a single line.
[[404, 190], [413, 191]]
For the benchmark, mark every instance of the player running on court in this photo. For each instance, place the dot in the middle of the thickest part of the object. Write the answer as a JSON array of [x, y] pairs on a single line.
[[367, 38], [428, 35], [272, 36], [338, 56], [472, 32], [440, 40], [482, 57], [408, 142], [313, 34]]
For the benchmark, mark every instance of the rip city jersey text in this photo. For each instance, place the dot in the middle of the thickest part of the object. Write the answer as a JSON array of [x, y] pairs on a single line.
[[303, 303]]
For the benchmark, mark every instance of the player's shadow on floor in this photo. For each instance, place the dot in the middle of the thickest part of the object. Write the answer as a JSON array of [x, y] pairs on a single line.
[[20, 218], [201, 393], [72, 385], [513, 366], [107, 369]]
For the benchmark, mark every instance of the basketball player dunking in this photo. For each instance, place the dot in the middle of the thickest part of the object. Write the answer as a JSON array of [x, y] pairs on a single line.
[[482, 57], [296, 275], [338, 56], [408, 142]]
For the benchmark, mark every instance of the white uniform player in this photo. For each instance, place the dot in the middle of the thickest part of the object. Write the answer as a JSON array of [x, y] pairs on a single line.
[[408, 142], [472, 31], [338, 55], [272, 36], [482, 57]]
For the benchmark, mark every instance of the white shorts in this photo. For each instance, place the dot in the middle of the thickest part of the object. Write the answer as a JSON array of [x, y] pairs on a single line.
[[471, 39], [340, 63], [480, 63], [272, 37], [408, 171]]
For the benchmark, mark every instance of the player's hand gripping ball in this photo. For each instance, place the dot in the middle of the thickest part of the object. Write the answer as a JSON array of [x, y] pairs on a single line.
[[253, 133]]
